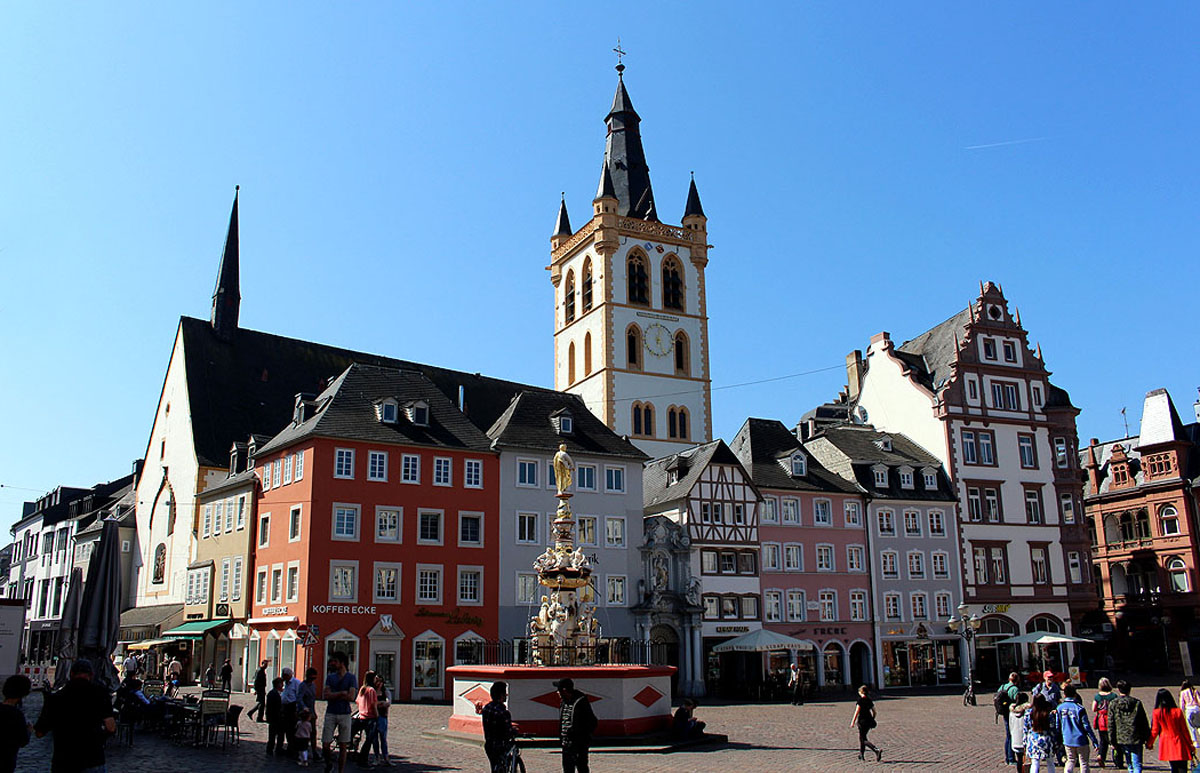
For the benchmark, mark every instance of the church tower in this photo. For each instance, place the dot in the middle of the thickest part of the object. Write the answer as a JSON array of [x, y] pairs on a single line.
[[630, 316]]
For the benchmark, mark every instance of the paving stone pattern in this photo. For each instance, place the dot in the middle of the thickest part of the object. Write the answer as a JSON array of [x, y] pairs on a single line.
[[917, 733]]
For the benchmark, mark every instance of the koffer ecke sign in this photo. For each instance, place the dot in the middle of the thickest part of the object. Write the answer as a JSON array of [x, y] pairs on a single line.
[[342, 609]]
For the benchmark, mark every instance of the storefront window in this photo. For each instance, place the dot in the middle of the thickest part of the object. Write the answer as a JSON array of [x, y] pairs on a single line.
[[895, 664], [833, 664], [427, 664]]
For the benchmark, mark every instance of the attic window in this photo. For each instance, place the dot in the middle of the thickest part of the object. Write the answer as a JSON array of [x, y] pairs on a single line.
[[881, 476], [418, 413], [930, 480], [389, 413], [673, 477], [884, 443], [995, 313], [906, 477], [799, 465], [566, 425]]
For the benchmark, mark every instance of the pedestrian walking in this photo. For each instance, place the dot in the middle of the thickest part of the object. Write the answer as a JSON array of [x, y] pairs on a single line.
[[1049, 688], [210, 676], [130, 665], [498, 728], [1170, 725], [1041, 731], [175, 675], [1004, 698], [1100, 712], [796, 685], [383, 702], [340, 688], [1189, 702], [864, 718], [276, 732], [1075, 730], [576, 723], [1128, 727], [306, 695], [1016, 728], [80, 717], [260, 693], [290, 708], [368, 715], [14, 727], [227, 676]]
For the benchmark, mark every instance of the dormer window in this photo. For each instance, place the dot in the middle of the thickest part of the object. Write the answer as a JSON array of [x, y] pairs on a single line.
[[884, 443], [930, 480], [906, 477], [673, 477], [799, 465], [564, 424], [418, 413], [389, 412], [881, 477]]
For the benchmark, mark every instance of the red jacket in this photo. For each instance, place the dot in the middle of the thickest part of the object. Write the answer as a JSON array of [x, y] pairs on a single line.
[[1172, 727]]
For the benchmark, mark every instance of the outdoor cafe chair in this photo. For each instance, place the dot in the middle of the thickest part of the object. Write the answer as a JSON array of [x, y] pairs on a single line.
[[214, 706], [229, 728]]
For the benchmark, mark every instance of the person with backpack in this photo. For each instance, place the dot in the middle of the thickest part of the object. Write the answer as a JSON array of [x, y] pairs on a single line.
[[1100, 712], [1170, 725], [1075, 730], [1002, 702], [1128, 727], [1189, 702]]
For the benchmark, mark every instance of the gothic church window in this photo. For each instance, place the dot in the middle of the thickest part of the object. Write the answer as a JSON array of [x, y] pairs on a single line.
[[569, 298], [587, 354], [681, 354], [638, 280], [633, 347], [571, 363], [586, 289], [672, 284]]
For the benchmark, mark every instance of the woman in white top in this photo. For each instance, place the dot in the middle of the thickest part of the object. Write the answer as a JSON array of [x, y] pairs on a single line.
[[1189, 702]]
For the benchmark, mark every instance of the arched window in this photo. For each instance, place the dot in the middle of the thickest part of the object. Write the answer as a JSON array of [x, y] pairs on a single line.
[[672, 284], [637, 418], [587, 354], [638, 280], [587, 285], [633, 347], [648, 420], [672, 425], [1168, 518], [160, 563], [682, 360], [683, 422], [1177, 572], [1126, 527], [1143, 524], [571, 363], [677, 422], [569, 297]]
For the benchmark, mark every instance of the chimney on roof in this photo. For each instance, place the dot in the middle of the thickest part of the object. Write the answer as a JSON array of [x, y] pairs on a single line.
[[854, 373], [1093, 466]]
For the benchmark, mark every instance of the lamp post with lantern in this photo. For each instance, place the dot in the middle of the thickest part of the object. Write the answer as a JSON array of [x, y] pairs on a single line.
[[965, 625]]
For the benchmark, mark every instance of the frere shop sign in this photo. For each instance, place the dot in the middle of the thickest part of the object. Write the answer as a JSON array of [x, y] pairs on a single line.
[[342, 609]]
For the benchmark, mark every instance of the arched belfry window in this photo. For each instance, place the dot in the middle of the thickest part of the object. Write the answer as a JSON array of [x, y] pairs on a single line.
[[672, 284], [642, 415], [635, 416], [586, 289], [638, 280], [569, 297], [587, 354], [682, 360], [683, 423], [677, 422], [571, 363], [633, 347]]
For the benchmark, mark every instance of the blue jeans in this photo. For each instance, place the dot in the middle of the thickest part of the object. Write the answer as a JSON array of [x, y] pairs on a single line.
[[1133, 756], [1009, 757], [380, 744]]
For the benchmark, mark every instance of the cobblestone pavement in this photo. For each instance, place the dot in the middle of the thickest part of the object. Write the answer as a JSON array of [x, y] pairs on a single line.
[[917, 733]]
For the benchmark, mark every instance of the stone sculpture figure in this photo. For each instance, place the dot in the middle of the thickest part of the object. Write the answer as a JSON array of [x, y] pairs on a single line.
[[564, 468]]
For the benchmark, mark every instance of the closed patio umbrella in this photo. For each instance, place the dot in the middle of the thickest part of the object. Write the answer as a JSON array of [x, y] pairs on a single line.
[[67, 647], [100, 610]]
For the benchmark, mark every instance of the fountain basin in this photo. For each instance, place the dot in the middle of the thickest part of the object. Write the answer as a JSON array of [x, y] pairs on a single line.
[[627, 700]]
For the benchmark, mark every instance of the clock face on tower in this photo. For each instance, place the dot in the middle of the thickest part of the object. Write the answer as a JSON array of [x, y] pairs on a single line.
[[658, 340]]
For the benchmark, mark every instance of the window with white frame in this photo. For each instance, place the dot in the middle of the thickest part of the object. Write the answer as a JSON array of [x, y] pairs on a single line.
[[343, 580], [614, 480], [773, 606], [299, 465], [429, 527], [828, 601], [585, 477], [387, 524], [888, 561], [793, 560], [473, 473], [739, 514], [855, 558], [825, 558], [527, 472], [770, 510], [527, 528], [823, 512], [937, 523], [443, 467], [429, 655], [235, 590], [264, 529], [260, 587], [527, 588], [218, 518], [919, 610], [791, 510], [941, 564], [1074, 567], [206, 523], [930, 480], [1067, 505], [916, 564], [796, 606], [343, 463], [1041, 568], [241, 512], [912, 523], [942, 600], [377, 465], [470, 585], [293, 582], [229, 515], [881, 477], [287, 469], [891, 606], [585, 529], [410, 468], [712, 607], [295, 519], [266, 476], [345, 522], [429, 584], [470, 530], [276, 473], [749, 607], [906, 478], [276, 583], [853, 514], [887, 523], [614, 531], [615, 593], [799, 465], [858, 605], [772, 557]]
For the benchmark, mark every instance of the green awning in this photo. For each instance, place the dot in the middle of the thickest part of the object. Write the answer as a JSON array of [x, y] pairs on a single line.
[[195, 629]]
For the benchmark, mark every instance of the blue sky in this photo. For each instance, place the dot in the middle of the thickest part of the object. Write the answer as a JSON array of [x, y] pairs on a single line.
[[863, 167]]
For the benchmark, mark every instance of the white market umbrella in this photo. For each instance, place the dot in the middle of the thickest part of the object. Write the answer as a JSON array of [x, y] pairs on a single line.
[[1042, 639], [762, 641]]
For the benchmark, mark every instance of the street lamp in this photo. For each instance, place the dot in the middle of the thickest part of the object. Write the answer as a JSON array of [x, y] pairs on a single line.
[[1164, 621], [965, 625]]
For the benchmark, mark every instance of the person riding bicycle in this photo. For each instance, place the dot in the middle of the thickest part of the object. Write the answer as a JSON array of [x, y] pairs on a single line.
[[498, 727]]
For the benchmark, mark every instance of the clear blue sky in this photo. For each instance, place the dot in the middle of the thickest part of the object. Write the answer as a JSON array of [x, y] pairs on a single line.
[[862, 168]]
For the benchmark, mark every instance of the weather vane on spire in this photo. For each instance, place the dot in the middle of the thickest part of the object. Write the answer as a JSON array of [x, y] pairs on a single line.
[[620, 53]]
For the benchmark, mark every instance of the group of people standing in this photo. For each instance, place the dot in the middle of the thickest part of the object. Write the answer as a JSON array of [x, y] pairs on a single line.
[[1050, 726]]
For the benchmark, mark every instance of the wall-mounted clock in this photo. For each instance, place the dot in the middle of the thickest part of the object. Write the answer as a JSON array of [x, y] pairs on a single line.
[[658, 340]]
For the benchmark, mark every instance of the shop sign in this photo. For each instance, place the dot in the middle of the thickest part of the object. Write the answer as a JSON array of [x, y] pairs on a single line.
[[822, 631], [895, 632], [457, 617], [268, 611], [993, 609], [222, 610], [341, 609], [733, 629]]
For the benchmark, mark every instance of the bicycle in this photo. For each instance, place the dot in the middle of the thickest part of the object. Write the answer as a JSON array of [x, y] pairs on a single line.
[[512, 762]]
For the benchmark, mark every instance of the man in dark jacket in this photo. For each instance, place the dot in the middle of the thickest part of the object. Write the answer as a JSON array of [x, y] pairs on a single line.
[[80, 717], [1128, 727], [275, 729], [576, 723], [260, 692], [498, 727]]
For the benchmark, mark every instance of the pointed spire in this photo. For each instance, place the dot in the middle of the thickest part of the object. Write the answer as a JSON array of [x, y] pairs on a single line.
[[563, 226], [1017, 314], [1039, 351], [605, 191], [227, 296], [625, 157], [693, 206]]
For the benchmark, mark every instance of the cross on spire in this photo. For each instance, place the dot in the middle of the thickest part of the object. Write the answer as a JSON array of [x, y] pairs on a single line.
[[620, 53]]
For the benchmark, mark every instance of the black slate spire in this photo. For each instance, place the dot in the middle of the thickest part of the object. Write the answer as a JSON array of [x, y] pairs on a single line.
[[227, 297], [693, 201], [563, 226], [606, 190], [625, 159]]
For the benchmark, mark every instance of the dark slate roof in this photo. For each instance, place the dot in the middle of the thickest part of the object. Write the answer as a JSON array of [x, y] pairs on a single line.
[[605, 190], [693, 206], [227, 296], [527, 424], [248, 385], [765, 447], [626, 160], [1189, 433], [562, 226], [656, 486], [934, 351], [855, 451], [346, 409]]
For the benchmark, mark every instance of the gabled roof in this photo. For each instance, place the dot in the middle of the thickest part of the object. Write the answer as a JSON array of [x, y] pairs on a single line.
[[657, 488], [855, 451], [346, 409], [760, 445], [526, 423]]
